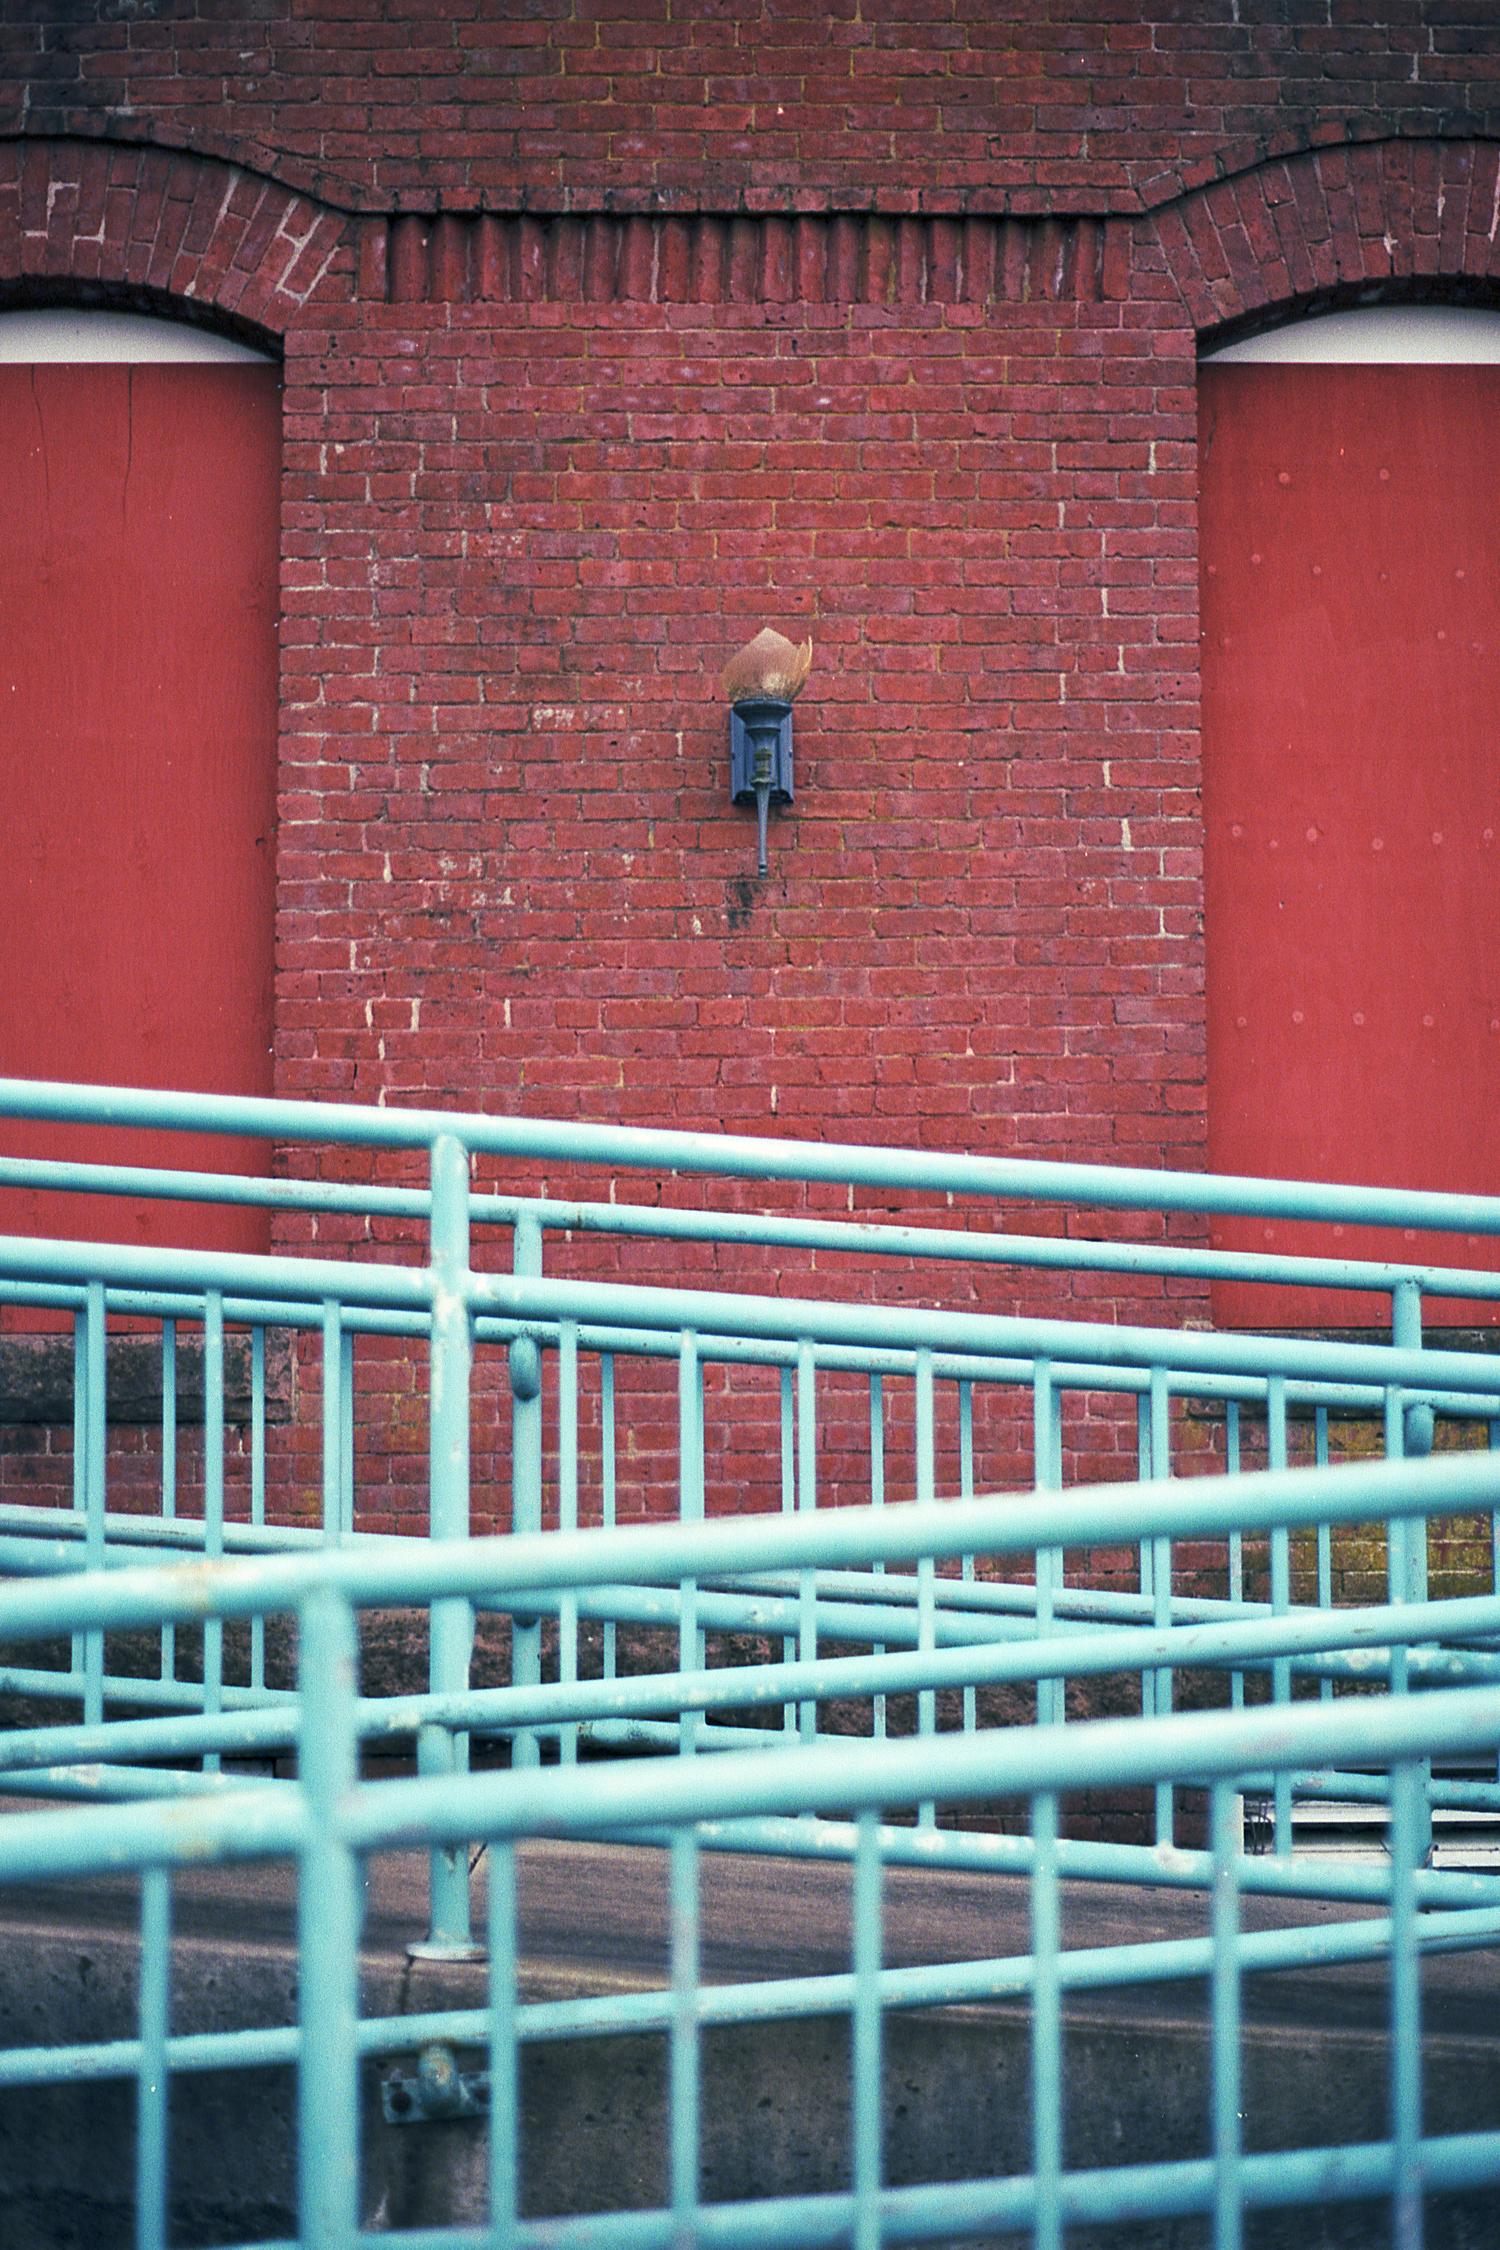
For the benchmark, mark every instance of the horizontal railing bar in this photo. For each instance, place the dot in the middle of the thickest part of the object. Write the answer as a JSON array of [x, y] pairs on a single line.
[[124, 1528], [981, 1367], [277, 1279], [154, 1183], [266, 1722], [970, 1365], [755, 1597], [1465, 1796], [674, 1223], [742, 1156], [846, 1608], [947, 1983], [649, 1735], [1309, 1630], [1092, 1515], [778, 1999], [1356, 1633], [577, 1800], [1103, 1606], [255, 1731], [1369, 1633], [108, 1784], [986, 1664], [171, 1695], [255, 2047], [718, 1313], [1375, 1789], [946, 2210], [265, 1819], [1182, 1351], [1172, 1261], [1158, 1867]]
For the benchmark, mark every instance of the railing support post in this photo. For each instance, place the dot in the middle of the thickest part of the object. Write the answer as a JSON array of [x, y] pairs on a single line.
[[95, 1453], [1406, 1542], [526, 1475], [330, 1900], [444, 1750]]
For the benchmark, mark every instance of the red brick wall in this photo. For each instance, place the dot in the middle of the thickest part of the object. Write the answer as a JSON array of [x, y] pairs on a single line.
[[608, 340], [514, 863], [786, 104]]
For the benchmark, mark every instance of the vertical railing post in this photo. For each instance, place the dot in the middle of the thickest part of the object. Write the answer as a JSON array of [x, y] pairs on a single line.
[[330, 1899], [607, 1483], [95, 1497], [1324, 1536], [684, 2045], [1236, 1556], [1051, 1694], [924, 1435], [1281, 1602], [807, 1502], [152, 2073], [213, 1501], [505, 2057], [169, 1487], [567, 1515], [1411, 1843], [1406, 1541], [526, 1474], [1046, 2025], [1416, 1438], [333, 1421], [443, 1750], [966, 1492], [257, 1483], [1160, 1703], [690, 1509], [1225, 2016], [924, 1431], [867, 2156], [80, 1451], [789, 1404], [877, 1500]]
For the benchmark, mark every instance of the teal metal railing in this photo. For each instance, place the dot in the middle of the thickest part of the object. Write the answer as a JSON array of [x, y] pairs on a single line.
[[822, 1799], [1304, 1634]]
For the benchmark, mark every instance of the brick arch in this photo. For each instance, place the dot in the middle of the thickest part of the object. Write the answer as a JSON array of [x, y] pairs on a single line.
[[142, 227], [1334, 226]]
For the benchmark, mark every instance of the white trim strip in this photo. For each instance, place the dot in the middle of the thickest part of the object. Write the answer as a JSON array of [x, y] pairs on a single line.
[[1385, 335], [81, 335]]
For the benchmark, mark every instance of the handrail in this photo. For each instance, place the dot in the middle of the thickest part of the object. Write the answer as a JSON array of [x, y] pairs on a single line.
[[748, 1157], [898, 1533], [538, 1299], [693, 1224], [398, 1394]]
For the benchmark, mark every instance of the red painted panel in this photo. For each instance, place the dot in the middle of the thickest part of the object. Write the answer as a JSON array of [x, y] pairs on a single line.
[[138, 599], [1351, 675]]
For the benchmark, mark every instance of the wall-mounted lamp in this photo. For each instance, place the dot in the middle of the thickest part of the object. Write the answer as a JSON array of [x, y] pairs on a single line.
[[760, 684]]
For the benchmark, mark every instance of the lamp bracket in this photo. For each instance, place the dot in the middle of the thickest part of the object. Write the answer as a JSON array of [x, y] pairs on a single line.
[[760, 721]]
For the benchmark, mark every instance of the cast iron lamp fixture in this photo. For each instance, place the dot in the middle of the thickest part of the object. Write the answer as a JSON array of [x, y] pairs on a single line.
[[761, 683]]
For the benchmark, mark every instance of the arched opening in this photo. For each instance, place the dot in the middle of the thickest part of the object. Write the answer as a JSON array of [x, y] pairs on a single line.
[[1349, 491], [139, 515]]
